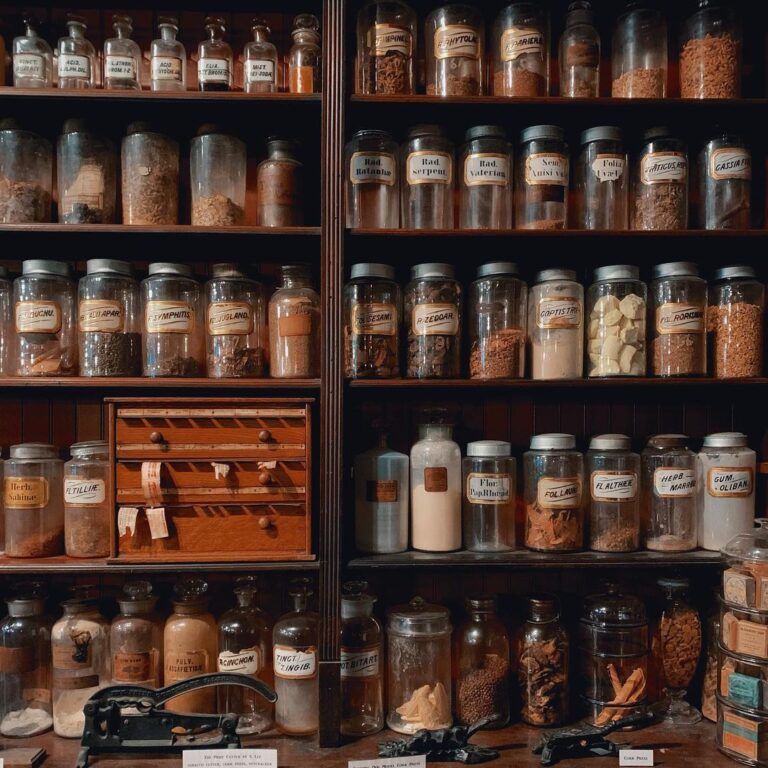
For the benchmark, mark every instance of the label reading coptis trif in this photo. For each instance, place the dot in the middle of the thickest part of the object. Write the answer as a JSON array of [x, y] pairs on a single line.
[[293, 664], [561, 312], [673, 482], [558, 492], [100, 316]]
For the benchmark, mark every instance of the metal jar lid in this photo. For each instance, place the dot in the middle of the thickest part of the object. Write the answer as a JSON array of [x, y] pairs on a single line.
[[45, 267], [372, 133], [419, 619], [726, 440], [553, 441], [668, 441], [547, 275], [602, 133], [108, 266], [610, 442], [676, 269], [369, 269], [34, 451], [89, 448], [425, 129], [535, 132], [614, 609], [497, 268], [432, 269], [489, 449], [485, 132], [617, 272], [737, 270], [165, 268], [227, 270]]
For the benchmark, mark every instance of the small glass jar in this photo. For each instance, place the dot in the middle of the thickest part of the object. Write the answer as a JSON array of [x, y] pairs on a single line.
[[710, 52], [44, 305], [602, 180], [109, 320], [236, 325], [639, 55], [432, 309], [556, 325], [426, 187], [260, 60], [76, 57], [454, 37], [87, 510], [542, 657], [372, 308], [26, 170], [174, 309], [669, 504], [419, 667], [305, 57], [616, 306], [490, 492], [373, 181], [217, 173], [279, 200], [520, 56], [32, 58], [34, 501], [541, 183], [735, 320], [122, 57], [678, 309], [485, 200], [168, 58], [580, 53], [214, 58], [7, 329], [725, 183], [614, 494]]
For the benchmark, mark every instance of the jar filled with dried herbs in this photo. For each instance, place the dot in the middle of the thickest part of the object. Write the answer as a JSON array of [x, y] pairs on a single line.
[[86, 507], [455, 41], [639, 53], [373, 181], [520, 57], [580, 53], [724, 175], [26, 170], [279, 186]]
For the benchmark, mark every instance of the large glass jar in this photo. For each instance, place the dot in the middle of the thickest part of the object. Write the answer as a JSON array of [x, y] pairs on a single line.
[[482, 665], [260, 60], [419, 667], [580, 53], [542, 658], [556, 325], [26, 170], [724, 175], [678, 309], [87, 510], [373, 180], [614, 494], [454, 36], [372, 307], [386, 48], [541, 182], [217, 172], [520, 55], [122, 57], [174, 309], [669, 505], [168, 58], [214, 58], [554, 494], [76, 57], [616, 334], [735, 321], [44, 305], [639, 55], [432, 309], [485, 186], [294, 326], [279, 193], [7, 329], [710, 684], [32, 58], [305, 64], [109, 320], [236, 324]]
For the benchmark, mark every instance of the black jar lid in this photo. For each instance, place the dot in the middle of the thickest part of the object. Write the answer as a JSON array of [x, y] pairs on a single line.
[[657, 132], [612, 608], [425, 129], [372, 133], [579, 12], [485, 132], [534, 132], [370, 269], [602, 133]]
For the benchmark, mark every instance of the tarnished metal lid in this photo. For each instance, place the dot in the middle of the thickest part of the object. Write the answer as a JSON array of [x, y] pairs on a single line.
[[369, 269], [726, 440], [45, 267], [553, 441], [165, 268], [34, 451], [610, 442], [432, 269], [547, 275], [419, 619], [108, 266]]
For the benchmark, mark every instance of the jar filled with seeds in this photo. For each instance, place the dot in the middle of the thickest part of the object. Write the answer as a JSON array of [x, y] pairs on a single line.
[[305, 64], [520, 56], [7, 339], [372, 307], [278, 186], [724, 183], [109, 320], [26, 170], [678, 305], [639, 53], [580, 53], [44, 306], [455, 41], [432, 310], [373, 181]]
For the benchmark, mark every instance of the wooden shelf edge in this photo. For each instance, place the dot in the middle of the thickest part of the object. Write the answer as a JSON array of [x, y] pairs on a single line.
[[727, 234], [558, 101], [97, 94], [553, 384], [76, 382], [170, 229]]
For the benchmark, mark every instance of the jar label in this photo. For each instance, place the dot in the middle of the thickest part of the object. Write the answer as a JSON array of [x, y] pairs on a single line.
[[673, 482], [68, 682], [38, 317], [560, 312], [484, 168], [518, 41], [488, 488], [436, 479], [169, 317], [227, 318], [259, 71], [664, 168], [607, 167], [295, 665], [72, 65], [75, 655], [245, 662], [381, 491], [132, 667], [166, 68], [456, 40], [183, 664], [26, 492], [87, 189], [614, 486], [213, 70], [101, 316], [435, 320], [299, 324], [120, 67], [679, 318], [546, 168], [558, 492], [730, 163], [374, 319], [730, 482], [360, 663], [29, 65], [428, 167], [372, 168], [387, 38], [17, 660], [82, 492]]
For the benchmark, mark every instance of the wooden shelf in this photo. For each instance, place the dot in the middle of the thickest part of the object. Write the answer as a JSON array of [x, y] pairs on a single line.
[[176, 229], [559, 234], [77, 382]]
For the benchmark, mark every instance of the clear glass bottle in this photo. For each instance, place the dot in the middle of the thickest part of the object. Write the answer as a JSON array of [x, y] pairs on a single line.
[[44, 305], [260, 60], [87, 511], [724, 174], [419, 667], [362, 663], [295, 640], [168, 58], [485, 200], [710, 684], [279, 178], [245, 647], [520, 56], [77, 57], [174, 309], [214, 58], [26, 171], [7, 327], [32, 58], [639, 55], [455, 57], [122, 57], [294, 326], [305, 56], [580, 53]]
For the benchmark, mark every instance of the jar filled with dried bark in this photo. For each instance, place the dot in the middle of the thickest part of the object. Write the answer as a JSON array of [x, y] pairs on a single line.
[[639, 55], [455, 56], [373, 181], [520, 57], [724, 180], [87, 509], [580, 53], [26, 170], [279, 200]]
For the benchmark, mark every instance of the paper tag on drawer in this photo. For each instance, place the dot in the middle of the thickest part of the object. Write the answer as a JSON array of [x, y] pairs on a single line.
[[158, 527], [126, 520], [411, 761]]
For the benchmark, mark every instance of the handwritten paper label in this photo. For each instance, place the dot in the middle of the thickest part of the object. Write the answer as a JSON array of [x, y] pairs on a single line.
[[374, 319], [487, 488], [259, 71], [82, 492], [435, 320], [166, 68], [614, 486], [293, 664], [455, 40], [101, 316], [230, 318], [360, 663], [559, 492], [730, 163], [673, 482], [679, 318], [517, 41], [158, 526], [169, 317], [383, 38], [563, 312], [245, 662], [729, 482], [126, 520], [38, 317], [229, 758], [664, 168]]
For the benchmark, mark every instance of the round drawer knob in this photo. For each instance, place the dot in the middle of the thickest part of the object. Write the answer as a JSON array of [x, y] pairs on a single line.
[[156, 438], [265, 435], [265, 478], [264, 523]]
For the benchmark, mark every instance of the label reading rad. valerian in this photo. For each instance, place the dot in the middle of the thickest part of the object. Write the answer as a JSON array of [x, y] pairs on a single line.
[[730, 163], [230, 318], [730, 482], [679, 318], [609, 485], [484, 168], [673, 482], [488, 488], [428, 167], [456, 40], [374, 319], [435, 320], [372, 168]]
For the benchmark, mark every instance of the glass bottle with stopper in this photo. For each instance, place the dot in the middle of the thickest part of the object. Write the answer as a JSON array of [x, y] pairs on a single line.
[[304, 59], [77, 56], [214, 58], [32, 58], [122, 57], [168, 59], [260, 60]]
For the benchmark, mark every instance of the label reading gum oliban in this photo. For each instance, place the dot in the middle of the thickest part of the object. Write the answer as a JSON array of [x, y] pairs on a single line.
[[372, 168], [487, 488], [558, 492], [374, 320], [230, 318], [428, 167], [435, 320], [613, 486], [727, 482], [100, 316], [664, 168], [37, 317], [169, 317], [518, 41], [546, 168], [387, 38], [560, 312], [486, 168], [456, 40], [679, 318], [673, 482], [360, 663], [730, 163], [84, 492], [608, 167], [295, 665]]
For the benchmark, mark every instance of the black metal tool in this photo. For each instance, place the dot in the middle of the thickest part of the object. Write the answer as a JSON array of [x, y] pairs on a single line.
[[131, 719]]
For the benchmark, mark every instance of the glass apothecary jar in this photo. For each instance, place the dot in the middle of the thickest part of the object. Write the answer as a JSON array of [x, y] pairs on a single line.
[[614, 494], [260, 60], [485, 200], [34, 501], [87, 511], [168, 58], [710, 52], [710, 684], [122, 57], [616, 334], [639, 53], [76, 57], [426, 186], [432, 308], [44, 305], [520, 55], [109, 320], [554, 494], [541, 182], [372, 308], [482, 658], [7, 339], [373, 181], [725, 183], [735, 323], [279, 201], [668, 487], [174, 336], [386, 48], [543, 669], [556, 325], [214, 58], [454, 36], [419, 667], [26, 171], [305, 57], [580, 53], [678, 309], [32, 58]]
